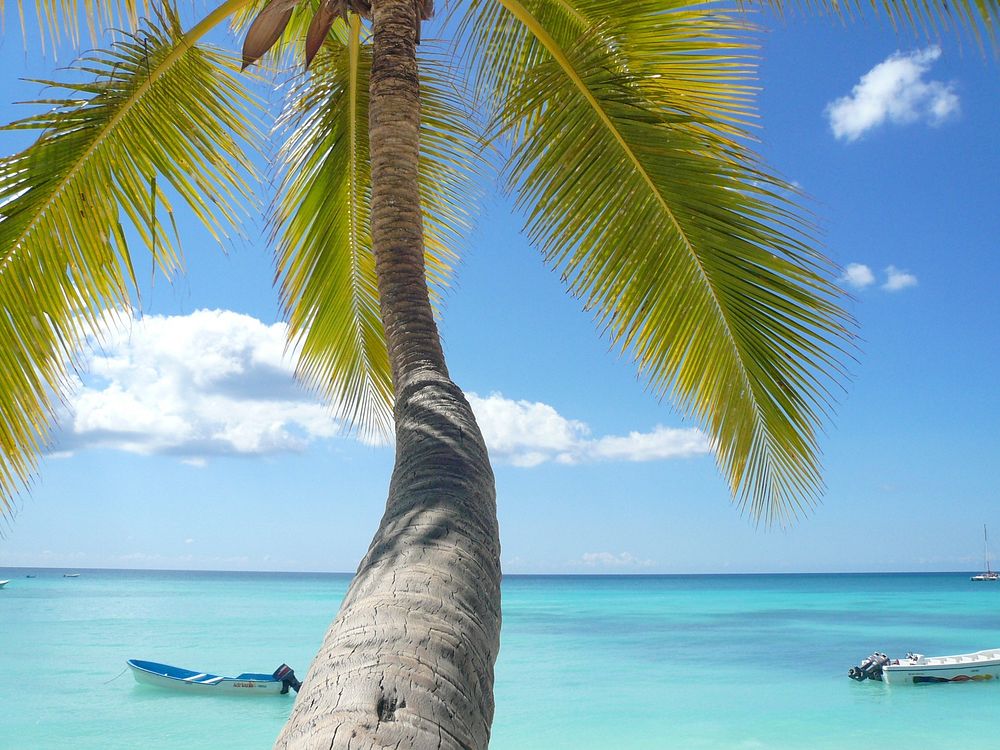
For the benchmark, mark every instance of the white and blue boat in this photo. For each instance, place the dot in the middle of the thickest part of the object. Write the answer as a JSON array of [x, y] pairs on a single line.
[[188, 680], [917, 669]]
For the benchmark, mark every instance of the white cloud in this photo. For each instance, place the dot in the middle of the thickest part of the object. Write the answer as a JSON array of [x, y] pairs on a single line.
[[897, 279], [609, 560], [858, 275], [661, 443], [209, 383], [219, 383], [529, 433], [894, 91]]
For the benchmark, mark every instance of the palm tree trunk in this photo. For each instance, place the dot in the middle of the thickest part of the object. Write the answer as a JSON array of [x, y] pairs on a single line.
[[408, 662]]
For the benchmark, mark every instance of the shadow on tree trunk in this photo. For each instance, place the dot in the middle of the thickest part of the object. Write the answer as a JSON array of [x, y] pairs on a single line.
[[408, 662]]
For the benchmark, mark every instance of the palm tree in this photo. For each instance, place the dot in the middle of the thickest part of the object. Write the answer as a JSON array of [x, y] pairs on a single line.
[[624, 125]]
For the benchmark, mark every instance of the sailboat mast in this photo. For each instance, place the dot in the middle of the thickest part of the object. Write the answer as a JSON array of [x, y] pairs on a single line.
[[986, 549]]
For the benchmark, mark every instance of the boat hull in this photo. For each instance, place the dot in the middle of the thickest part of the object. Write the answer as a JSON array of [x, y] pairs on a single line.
[[980, 666], [189, 681]]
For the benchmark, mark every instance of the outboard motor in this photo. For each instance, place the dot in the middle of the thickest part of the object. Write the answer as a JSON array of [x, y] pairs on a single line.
[[287, 677], [870, 668]]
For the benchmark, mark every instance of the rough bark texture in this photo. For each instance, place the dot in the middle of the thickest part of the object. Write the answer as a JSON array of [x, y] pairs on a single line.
[[408, 662]]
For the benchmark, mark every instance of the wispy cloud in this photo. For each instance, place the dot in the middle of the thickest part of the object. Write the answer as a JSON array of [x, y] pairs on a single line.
[[527, 433], [859, 276], [608, 560], [897, 280], [894, 91]]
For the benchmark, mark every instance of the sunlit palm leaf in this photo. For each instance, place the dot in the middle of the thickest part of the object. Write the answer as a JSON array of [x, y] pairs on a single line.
[[626, 128], [325, 253], [161, 113], [63, 19]]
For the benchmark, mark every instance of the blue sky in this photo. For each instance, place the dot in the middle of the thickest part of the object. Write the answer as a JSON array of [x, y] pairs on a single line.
[[187, 444]]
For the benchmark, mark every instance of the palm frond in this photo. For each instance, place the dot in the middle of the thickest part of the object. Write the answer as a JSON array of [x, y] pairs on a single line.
[[63, 19], [627, 128], [159, 115], [325, 255]]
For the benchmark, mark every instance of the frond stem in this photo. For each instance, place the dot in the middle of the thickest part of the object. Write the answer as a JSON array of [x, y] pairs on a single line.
[[353, 63], [354, 53]]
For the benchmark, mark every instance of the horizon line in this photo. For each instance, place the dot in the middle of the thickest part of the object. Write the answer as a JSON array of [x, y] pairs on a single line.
[[592, 574]]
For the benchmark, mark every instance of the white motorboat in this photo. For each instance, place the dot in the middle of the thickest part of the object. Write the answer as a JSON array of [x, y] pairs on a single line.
[[4, 583], [190, 681], [915, 669]]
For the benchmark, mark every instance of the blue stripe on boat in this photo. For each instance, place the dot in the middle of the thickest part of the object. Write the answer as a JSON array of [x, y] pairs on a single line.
[[165, 670], [189, 675]]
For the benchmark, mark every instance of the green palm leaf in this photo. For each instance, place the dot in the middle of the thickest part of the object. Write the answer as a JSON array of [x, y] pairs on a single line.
[[626, 124], [325, 250], [63, 18], [159, 113]]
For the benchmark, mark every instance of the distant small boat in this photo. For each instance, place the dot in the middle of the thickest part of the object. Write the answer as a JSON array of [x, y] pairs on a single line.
[[916, 669], [990, 574], [3, 583], [248, 683], [71, 575], [29, 576]]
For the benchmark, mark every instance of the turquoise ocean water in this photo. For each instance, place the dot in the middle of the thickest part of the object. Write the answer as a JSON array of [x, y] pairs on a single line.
[[694, 662]]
